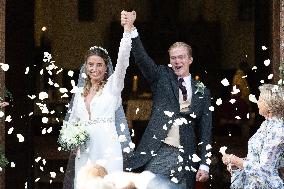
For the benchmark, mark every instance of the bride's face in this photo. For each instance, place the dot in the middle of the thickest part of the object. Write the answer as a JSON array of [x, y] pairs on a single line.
[[96, 68]]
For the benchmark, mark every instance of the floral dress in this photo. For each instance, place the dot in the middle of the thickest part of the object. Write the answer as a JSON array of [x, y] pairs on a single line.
[[265, 156]]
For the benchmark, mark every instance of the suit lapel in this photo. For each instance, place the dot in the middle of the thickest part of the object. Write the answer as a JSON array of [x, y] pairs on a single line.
[[195, 96]]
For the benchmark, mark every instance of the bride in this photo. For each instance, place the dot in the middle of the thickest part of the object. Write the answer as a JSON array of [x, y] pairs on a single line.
[[99, 105]]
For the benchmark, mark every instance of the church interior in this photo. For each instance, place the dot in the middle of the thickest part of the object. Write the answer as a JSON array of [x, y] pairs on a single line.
[[230, 39]]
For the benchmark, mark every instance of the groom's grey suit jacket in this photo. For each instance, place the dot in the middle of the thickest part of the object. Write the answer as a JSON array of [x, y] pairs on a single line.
[[165, 96]]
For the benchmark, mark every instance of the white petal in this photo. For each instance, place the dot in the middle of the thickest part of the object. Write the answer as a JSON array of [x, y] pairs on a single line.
[[2, 113], [225, 82], [223, 150], [219, 101], [8, 118], [170, 114], [252, 98], [52, 174], [5, 67], [13, 164], [63, 90], [21, 138], [137, 110], [27, 70], [267, 62], [211, 108], [43, 95], [195, 158], [10, 130], [70, 73], [61, 170], [44, 120], [270, 76], [232, 101]]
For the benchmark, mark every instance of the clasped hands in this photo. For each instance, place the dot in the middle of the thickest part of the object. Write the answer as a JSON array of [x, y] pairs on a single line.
[[127, 20]]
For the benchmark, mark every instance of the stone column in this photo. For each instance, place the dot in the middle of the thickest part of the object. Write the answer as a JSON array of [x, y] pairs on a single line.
[[277, 37], [2, 80], [281, 40]]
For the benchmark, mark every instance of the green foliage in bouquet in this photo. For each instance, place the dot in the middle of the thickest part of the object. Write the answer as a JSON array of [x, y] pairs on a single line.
[[3, 160]]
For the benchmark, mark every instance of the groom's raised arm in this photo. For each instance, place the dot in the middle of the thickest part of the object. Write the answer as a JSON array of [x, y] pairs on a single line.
[[147, 66]]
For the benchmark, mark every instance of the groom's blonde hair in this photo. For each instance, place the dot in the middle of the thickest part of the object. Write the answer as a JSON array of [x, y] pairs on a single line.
[[182, 44]]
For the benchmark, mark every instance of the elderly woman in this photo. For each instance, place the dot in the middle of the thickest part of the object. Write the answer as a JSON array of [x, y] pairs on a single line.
[[260, 169]]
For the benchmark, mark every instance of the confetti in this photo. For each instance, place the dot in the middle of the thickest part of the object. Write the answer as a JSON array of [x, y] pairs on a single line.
[[167, 113], [5, 67], [43, 131], [238, 117], [195, 158], [225, 82], [61, 170], [32, 97], [252, 98], [21, 138], [37, 159], [174, 179], [137, 110], [70, 73], [8, 119], [192, 115], [263, 47], [2, 113], [270, 76], [208, 161], [44, 120], [43, 95], [63, 90], [232, 101], [218, 101], [10, 130], [27, 70], [223, 150], [13, 164], [211, 108], [208, 147], [235, 90], [52, 174], [266, 62]]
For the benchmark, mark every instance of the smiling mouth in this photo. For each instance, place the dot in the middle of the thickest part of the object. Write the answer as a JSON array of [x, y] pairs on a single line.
[[178, 67]]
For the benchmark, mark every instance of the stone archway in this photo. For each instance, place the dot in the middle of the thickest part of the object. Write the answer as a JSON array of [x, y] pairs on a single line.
[[2, 79]]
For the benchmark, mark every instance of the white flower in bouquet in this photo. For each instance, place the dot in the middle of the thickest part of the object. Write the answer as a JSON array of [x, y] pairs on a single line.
[[72, 135]]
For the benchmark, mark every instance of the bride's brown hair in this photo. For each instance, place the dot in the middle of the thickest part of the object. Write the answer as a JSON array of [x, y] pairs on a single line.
[[98, 51]]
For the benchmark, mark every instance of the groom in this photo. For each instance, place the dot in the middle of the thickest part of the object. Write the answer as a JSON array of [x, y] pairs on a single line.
[[176, 142]]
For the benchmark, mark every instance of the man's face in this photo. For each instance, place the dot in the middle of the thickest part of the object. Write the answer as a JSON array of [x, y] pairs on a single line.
[[180, 61]]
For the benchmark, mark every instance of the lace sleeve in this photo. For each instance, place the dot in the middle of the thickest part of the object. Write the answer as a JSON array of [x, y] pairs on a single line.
[[116, 80]]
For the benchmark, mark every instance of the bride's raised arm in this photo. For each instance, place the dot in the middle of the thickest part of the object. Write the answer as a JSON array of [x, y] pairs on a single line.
[[118, 76]]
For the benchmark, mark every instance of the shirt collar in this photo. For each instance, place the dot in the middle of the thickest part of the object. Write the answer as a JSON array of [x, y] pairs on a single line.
[[187, 79]]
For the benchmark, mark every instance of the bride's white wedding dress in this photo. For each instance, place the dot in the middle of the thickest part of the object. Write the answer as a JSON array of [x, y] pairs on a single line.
[[103, 147]]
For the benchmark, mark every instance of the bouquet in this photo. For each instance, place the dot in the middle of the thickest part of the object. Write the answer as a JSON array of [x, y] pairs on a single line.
[[72, 135]]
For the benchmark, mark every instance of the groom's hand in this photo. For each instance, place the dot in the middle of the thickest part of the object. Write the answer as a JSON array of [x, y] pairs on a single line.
[[202, 176]]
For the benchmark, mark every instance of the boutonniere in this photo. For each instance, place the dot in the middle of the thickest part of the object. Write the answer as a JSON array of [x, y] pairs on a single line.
[[200, 87]]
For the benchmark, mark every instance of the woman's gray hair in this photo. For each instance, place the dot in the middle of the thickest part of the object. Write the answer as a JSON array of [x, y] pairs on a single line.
[[273, 97]]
